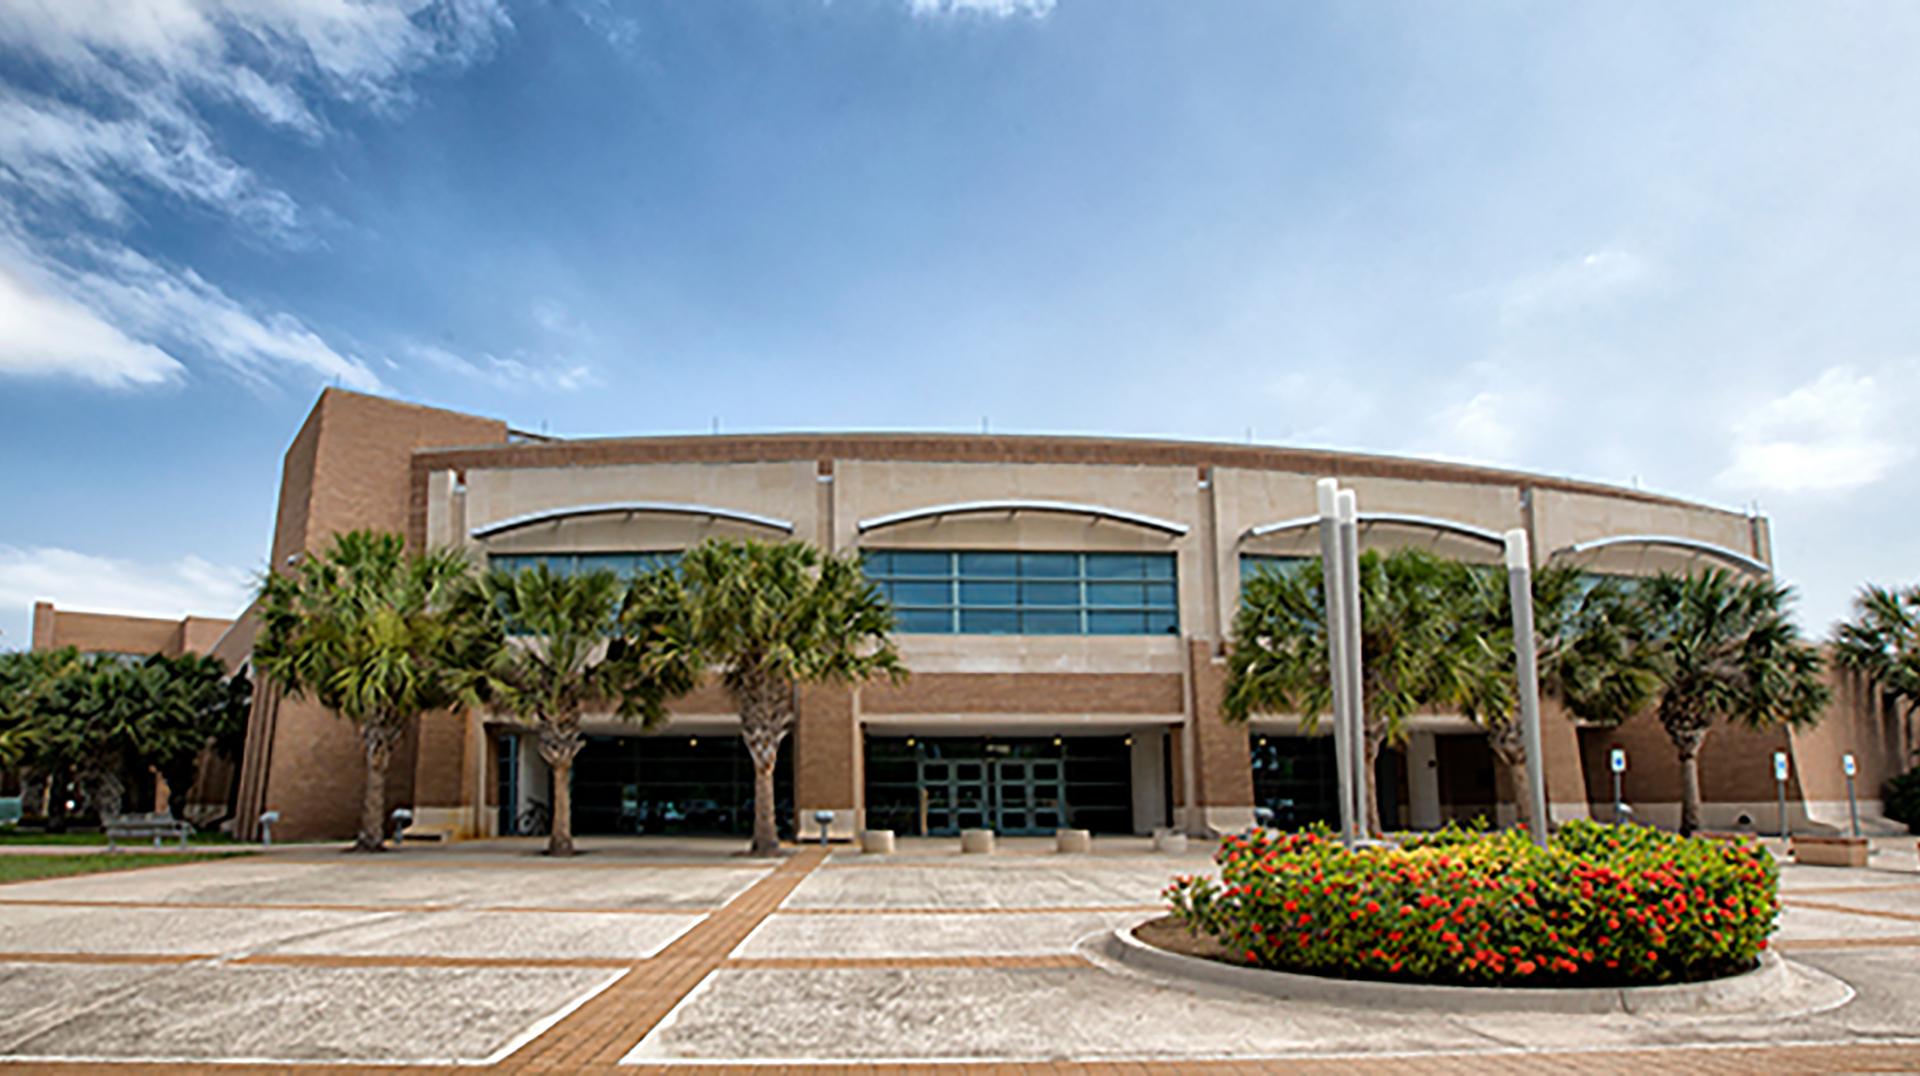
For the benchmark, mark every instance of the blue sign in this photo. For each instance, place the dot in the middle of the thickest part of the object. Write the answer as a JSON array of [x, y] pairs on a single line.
[[1619, 760]]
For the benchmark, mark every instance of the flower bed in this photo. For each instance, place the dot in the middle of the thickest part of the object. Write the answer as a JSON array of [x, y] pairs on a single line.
[[1602, 906]]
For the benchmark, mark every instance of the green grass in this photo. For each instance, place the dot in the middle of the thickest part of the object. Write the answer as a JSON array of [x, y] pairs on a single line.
[[96, 837], [26, 867]]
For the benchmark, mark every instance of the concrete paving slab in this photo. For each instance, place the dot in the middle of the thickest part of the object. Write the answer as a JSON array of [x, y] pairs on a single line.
[[1896, 900], [1035, 883], [936, 1013], [501, 935], [1802, 923], [416, 882], [60, 929], [884, 934], [203, 1012]]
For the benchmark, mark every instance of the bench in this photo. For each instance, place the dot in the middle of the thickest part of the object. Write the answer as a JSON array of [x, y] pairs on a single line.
[[139, 826]]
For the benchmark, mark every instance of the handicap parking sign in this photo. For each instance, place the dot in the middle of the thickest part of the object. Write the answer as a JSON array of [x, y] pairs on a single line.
[[1846, 763], [1619, 760]]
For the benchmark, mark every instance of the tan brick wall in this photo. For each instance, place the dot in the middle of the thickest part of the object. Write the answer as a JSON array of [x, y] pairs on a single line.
[[1224, 766], [827, 757], [349, 467], [54, 628]]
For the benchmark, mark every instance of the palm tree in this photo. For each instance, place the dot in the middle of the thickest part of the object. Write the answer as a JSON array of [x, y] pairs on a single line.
[[366, 629], [553, 651], [1587, 646], [199, 705], [1419, 642], [1724, 649], [1882, 642], [768, 618]]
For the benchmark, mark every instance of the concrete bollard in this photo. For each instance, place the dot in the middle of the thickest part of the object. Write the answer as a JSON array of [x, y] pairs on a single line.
[[1072, 841], [1171, 841], [876, 842], [976, 841]]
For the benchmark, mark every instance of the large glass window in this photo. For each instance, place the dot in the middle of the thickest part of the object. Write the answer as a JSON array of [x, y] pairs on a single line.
[[995, 593], [622, 564]]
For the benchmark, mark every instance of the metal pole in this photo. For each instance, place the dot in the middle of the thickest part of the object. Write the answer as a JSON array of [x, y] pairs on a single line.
[[1780, 784], [1327, 492], [1853, 805], [1520, 590], [1617, 813], [1348, 508]]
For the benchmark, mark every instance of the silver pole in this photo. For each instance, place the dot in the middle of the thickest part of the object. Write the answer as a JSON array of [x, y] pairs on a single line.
[[1520, 589], [1853, 805], [1348, 508], [1327, 492]]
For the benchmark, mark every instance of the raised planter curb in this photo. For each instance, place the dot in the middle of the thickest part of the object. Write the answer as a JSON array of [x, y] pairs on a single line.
[[1770, 980], [1831, 851]]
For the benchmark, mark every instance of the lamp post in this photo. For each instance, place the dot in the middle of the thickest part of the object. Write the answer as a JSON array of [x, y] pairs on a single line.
[[1520, 590], [1327, 491], [1347, 509]]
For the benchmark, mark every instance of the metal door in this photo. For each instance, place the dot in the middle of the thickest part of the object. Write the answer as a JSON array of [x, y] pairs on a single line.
[[1029, 796]]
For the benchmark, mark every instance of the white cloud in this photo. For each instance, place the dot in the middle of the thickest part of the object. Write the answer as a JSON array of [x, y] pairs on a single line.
[[83, 581], [1839, 431], [998, 9], [44, 333], [1579, 283], [122, 119], [553, 375]]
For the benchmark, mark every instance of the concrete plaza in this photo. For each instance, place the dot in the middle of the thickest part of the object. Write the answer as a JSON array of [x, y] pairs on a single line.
[[647, 955]]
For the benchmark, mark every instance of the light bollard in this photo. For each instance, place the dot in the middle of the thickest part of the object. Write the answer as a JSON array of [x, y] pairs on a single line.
[[825, 820], [1780, 784], [1347, 509], [1520, 591], [1853, 804], [1327, 491]]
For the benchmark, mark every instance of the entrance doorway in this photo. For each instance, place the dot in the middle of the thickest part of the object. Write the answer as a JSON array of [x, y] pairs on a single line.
[[1012, 785]]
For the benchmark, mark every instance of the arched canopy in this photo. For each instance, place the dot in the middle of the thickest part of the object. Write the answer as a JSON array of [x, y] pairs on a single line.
[[1687, 548], [555, 515], [1094, 511], [1451, 527]]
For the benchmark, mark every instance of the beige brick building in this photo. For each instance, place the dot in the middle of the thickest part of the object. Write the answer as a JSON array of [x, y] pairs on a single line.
[[1063, 601]]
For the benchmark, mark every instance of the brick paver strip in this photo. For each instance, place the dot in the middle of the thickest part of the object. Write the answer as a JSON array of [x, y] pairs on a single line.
[[397, 960], [605, 1028]]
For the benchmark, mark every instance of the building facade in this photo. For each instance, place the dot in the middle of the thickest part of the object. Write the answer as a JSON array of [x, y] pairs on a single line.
[[1064, 605]]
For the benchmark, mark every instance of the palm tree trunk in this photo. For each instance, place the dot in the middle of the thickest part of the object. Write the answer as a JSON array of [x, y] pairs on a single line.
[[559, 744], [179, 778], [377, 739], [766, 836], [560, 833], [1689, 789], [1375, 738], [1508, 746]]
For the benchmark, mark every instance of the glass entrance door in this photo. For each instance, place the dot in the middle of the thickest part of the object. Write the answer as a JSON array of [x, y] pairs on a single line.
[[1029, 795], [955, 794]]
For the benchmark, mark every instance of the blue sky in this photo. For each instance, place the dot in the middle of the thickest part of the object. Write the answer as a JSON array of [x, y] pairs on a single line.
[[1672, 245]]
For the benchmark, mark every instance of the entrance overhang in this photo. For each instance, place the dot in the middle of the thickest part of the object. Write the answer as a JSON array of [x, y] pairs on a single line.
[[1014, 507], [556, 515], [1687, 550], [1014, 724]]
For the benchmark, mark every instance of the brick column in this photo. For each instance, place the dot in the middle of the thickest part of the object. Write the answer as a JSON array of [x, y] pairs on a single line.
[[1566, 773], [829, 770], [1223, 765]]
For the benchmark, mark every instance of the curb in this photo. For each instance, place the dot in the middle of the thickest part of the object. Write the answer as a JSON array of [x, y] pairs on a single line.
[[1770, 980]]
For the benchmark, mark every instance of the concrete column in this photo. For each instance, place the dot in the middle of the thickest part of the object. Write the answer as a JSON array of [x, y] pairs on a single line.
[[829, 762], [1423, 781], [1149, 790]]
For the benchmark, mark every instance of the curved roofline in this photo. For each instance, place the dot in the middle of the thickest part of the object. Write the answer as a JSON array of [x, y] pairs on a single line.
[[1009, 448], [1674, 541], [554, 515], [1098, 511], [1448, 526]]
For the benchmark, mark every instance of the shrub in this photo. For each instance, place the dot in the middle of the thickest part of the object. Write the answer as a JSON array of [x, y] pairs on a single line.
[[1900, 800], [1603, 905]]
